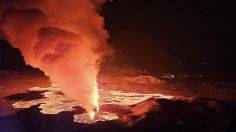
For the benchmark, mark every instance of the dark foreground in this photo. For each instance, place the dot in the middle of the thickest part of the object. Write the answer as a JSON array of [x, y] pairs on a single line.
[[182, 113]]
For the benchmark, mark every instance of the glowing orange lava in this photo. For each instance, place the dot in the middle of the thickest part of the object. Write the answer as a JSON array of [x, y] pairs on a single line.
[[95, 99], [92, 114], [96, 96], [53, 102]]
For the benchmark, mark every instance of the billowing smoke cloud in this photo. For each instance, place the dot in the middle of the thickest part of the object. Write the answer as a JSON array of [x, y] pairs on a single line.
[[64, 38]]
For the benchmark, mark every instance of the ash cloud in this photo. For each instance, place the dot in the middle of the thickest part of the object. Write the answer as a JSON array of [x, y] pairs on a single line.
[[65, 39]]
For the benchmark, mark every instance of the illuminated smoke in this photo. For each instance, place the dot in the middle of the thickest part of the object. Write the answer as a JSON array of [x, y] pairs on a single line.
[[64, 38]]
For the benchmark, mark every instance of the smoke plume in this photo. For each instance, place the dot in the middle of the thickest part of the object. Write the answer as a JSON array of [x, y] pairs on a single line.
[[64, 38]]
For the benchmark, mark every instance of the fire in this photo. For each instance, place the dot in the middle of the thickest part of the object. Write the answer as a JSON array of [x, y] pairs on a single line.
[[95, 99], [92, 114]]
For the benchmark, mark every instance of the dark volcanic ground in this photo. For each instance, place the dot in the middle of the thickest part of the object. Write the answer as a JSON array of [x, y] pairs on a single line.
[[198, 105]]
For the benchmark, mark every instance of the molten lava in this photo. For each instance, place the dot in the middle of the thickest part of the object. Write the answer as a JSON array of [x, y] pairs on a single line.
[[53, 102], [95, 99], [92, 114]]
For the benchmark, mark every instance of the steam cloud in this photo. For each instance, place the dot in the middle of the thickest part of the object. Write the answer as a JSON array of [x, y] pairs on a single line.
[[64, 38]]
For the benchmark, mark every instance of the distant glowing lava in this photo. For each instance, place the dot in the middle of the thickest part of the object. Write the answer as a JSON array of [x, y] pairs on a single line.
[[53, 102]]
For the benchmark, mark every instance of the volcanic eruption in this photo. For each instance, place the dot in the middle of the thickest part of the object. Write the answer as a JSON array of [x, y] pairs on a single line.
[[65, 39]]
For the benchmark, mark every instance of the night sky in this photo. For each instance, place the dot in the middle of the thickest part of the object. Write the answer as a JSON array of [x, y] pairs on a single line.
[[160, 34], [168, 36]]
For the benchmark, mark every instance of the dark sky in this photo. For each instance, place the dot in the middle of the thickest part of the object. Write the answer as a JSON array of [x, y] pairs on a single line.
[[158, 34]]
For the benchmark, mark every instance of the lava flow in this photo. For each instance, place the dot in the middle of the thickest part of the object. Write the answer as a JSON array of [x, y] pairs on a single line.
[[53, 102]]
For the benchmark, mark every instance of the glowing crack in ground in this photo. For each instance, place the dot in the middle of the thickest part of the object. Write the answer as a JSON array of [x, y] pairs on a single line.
[[55, 102]]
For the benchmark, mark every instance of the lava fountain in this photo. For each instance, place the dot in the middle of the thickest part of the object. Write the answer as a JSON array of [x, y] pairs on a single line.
[[65, 39], [95, 101]]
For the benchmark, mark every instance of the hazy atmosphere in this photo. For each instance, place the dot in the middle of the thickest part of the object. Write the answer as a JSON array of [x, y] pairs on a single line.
[[79, 65]]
